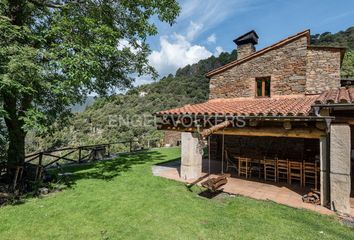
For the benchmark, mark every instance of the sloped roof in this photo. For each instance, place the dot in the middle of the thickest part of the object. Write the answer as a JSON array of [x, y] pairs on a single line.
[[289, 105], [337, 96]]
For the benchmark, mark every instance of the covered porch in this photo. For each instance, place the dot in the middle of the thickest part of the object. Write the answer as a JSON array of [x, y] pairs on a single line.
[[282, 193], [252, 156]]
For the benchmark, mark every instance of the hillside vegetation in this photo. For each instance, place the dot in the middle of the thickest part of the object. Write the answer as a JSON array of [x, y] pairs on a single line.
[[188, 85], [99, 123]]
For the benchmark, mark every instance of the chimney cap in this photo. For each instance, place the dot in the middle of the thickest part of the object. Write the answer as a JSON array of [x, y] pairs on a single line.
[[250, 37]]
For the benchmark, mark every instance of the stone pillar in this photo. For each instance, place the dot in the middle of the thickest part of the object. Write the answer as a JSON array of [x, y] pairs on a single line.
[[340, 167], [324, 176], [191, 161]]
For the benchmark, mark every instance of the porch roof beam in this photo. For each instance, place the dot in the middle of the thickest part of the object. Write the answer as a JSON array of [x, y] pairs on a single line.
[[264, 117], [311, 133], [274, 132]]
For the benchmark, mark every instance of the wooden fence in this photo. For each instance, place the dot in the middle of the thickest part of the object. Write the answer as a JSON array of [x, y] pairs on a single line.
[[81, 154]]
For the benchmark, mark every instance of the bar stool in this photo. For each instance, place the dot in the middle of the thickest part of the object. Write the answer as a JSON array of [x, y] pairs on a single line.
[[310, 173], [243, 166], [270, 169], [283, 170], [295, 172]]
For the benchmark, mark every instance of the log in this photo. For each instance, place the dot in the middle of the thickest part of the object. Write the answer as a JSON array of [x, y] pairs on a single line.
[[209, 131], [312, 197], [214, 183]]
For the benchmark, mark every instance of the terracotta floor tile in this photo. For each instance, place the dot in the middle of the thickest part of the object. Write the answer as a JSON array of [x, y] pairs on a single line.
[[280, 193]]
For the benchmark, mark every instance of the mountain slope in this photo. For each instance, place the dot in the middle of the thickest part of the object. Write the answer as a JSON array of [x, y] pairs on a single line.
[[339, 39]]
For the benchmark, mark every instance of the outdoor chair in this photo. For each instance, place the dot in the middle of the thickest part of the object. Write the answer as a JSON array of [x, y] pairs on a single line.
[[243, 166], [295, 172], [270, 170], [283, 170], [256, 167], [230, 162], [310, 171]]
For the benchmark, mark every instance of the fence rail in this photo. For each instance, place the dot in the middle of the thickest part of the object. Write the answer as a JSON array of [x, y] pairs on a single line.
[[86, 152], [80, 154], [35, 163]]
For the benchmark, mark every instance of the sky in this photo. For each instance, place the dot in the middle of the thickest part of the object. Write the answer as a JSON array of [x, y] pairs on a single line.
[[207, 27]]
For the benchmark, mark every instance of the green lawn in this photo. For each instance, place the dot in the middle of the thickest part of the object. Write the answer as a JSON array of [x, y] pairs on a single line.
[[120, 199]]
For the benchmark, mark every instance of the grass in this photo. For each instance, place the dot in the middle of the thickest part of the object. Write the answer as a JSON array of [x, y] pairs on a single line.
[[120, 199]]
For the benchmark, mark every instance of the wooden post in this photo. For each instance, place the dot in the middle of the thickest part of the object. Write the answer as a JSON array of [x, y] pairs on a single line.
[[40, 159], [79, 154], [39, 168], [109, 150]]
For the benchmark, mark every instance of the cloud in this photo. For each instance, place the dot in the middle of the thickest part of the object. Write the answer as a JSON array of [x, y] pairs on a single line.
[[218, 50], [193, 30], [175, 52], [142, 80], [183, 47], [211, 38], [125, 44], [210, 13]]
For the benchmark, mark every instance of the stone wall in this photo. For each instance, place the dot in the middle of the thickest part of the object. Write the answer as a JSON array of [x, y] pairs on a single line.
[[172, 138], [286, 65], [323, 70]]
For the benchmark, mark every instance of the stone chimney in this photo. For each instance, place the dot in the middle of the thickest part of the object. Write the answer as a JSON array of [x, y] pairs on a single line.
[[246, 44]]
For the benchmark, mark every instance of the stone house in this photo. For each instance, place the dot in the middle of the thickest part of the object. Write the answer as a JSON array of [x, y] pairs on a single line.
[[282, 102]]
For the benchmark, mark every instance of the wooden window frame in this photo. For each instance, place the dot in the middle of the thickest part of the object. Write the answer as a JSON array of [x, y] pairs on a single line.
[[263, 90]]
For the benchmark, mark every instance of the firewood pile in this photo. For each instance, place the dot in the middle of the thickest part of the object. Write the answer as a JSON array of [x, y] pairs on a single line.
[[312, 197], [214, 183]]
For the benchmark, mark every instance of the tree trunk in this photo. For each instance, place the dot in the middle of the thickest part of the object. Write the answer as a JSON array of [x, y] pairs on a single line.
[[16, 150], [13, 104]]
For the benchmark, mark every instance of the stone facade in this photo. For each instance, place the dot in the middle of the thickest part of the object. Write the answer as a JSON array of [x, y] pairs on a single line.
[[294, 68], [323, 70], [285, 65]]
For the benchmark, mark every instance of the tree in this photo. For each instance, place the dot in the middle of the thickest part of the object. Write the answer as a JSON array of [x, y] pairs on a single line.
[[348, 65], [54, 52]]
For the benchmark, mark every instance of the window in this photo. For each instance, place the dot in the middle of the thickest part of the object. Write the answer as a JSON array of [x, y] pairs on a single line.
[[263, 87]]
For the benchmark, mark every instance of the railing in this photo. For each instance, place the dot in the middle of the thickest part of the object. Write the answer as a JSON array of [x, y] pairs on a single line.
[[80, 154]]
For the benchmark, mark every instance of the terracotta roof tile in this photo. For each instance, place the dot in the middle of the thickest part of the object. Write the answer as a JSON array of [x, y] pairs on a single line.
[[336, 96], [290, 105]]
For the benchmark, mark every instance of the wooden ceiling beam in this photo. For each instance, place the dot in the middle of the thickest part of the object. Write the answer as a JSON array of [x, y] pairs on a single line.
[[311, 133]]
